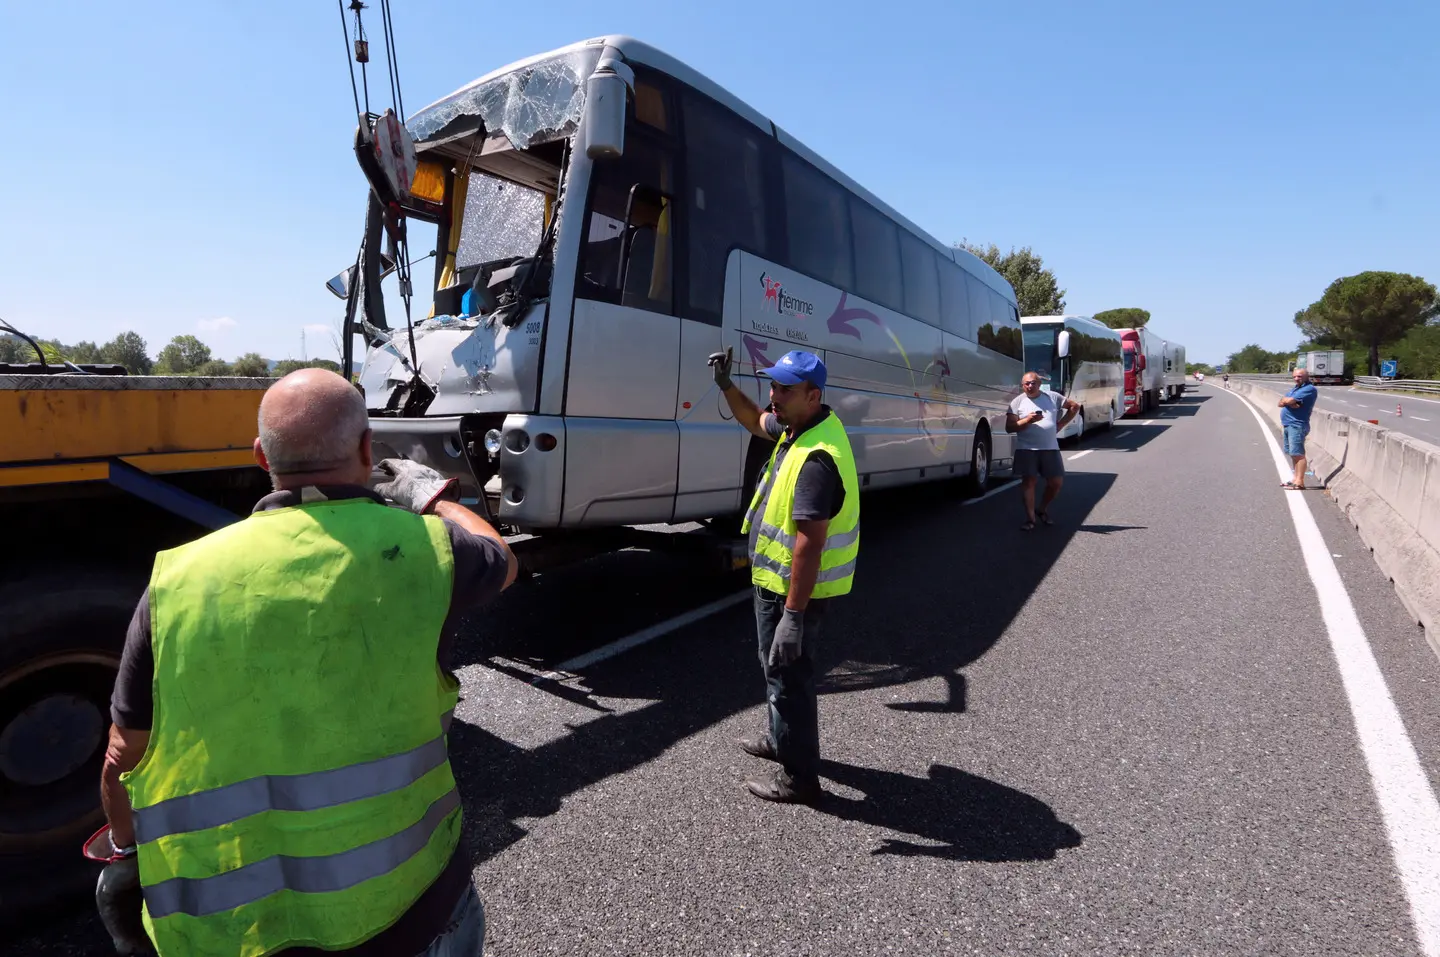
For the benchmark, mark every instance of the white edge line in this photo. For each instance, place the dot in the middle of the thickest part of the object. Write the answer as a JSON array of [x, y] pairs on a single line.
[[1079, 454], [1407, 802], [645, 635], [994, 491]]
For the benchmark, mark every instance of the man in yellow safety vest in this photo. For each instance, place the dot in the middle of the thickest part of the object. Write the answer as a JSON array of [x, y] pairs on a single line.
[[277, 779], [804, 528]]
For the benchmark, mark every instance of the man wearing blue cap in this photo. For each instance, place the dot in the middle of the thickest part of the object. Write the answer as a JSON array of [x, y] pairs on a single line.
[[804, 528]]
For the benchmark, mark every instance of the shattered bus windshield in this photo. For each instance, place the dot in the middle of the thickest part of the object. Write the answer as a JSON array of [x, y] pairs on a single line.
[[536, 103], [502, 220]]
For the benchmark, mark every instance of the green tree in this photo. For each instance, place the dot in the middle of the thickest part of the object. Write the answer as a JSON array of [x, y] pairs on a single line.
[[1126, 318], [1204, 368], [182, 356], [1252, 358], [128, 350], [1370, 309], [83, 351], [14, 349], [1419, 353], [1035, 287], [287, 366], [215, 367], [251, 365]]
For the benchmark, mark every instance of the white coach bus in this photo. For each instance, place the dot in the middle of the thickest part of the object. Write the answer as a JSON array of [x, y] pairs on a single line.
[[604, 255], [1082, 360]]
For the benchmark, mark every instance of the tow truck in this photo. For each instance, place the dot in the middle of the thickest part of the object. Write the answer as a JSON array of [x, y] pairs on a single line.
[[99, 470]]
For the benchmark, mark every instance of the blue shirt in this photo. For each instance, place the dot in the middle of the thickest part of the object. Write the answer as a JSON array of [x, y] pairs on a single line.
[[1307, 395]]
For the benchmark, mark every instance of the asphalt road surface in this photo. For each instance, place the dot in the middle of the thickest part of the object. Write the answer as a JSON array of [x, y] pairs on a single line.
[[1418, 417], [1133, 732]]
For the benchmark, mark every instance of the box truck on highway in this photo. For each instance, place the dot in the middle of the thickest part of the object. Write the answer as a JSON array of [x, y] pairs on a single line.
[[1326, 367]]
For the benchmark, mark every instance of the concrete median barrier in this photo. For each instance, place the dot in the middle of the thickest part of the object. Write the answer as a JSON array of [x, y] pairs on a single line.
[[1388, 485]]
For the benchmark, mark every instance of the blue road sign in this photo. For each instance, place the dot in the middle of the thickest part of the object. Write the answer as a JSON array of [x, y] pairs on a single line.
[[1388, 368]]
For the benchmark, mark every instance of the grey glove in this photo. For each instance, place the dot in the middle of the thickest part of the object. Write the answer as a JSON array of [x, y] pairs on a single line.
[[720, 369], [415, 486], [117, 898], [786, 647]]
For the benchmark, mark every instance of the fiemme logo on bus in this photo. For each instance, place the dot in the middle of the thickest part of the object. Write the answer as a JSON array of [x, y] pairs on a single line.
[[780, 301]]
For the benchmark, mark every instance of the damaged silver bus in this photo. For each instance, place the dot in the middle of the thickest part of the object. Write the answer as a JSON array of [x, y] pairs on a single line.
[[605, 218]]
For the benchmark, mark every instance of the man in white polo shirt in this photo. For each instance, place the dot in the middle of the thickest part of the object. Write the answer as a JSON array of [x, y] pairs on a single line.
[[1036, 418]]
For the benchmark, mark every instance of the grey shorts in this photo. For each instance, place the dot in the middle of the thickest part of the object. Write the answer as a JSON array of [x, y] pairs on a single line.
[[1045, 462]]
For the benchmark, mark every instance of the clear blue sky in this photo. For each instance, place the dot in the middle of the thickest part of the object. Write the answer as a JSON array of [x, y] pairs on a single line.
[[186, 167]]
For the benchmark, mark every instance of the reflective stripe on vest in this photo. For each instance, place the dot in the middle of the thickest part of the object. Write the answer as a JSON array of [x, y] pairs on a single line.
[[771, 514], [199, 897], [292, 792], [296, 789]]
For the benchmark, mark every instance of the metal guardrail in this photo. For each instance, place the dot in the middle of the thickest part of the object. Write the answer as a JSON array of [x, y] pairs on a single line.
[[1427, 386]]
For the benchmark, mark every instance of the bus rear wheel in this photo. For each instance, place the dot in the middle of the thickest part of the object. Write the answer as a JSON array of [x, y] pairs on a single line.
[[979, 476]]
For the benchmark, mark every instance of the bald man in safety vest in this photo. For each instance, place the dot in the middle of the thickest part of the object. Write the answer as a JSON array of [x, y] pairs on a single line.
[[277, 779], [804, 529]]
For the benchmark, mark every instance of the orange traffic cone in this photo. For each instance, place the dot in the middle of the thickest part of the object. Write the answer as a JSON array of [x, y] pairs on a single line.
[[1397, 410]]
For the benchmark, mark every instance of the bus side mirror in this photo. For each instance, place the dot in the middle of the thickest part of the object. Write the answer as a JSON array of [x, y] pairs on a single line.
[[605, 96], [1062, 344]]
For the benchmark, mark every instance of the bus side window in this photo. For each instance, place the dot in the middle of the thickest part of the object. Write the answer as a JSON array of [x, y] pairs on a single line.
[[647, 163], [818, 222], [726, 168], [877, 256], [922, 282], [954, 301]]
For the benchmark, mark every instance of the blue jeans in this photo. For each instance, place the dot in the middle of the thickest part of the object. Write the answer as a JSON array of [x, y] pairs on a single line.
[[464, 936], [1295, 439], [790, 689]]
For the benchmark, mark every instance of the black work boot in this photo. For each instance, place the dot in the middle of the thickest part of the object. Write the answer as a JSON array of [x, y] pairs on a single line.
[[783, 789]]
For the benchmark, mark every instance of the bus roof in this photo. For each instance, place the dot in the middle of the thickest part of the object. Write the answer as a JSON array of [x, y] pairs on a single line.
[[1094, 326], [636, 51]]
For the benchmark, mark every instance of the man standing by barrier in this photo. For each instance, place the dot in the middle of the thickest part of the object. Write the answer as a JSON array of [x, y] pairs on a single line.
[[1295, 408], [277, 779], [804, 528], [1036, 418]]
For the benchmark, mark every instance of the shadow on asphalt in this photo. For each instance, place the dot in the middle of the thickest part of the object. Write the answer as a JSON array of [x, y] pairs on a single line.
[[964, 816], [1107, 529], [937, 586]]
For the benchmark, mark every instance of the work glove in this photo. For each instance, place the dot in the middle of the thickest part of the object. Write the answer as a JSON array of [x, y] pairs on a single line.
[[720, 369], [117, 898], [785, 648], [415, 486]]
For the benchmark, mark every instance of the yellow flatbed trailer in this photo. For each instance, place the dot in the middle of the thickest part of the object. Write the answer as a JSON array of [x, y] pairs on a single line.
[[97, 474]]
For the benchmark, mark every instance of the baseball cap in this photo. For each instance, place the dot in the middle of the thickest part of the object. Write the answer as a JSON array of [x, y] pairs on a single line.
[[797, 366]]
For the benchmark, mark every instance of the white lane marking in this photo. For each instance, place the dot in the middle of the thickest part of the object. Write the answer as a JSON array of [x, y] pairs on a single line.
[[645, 635], [1079, 454], [1358, 405], [994, 491], [1343, 401], [1419, 418], [1121, 435], [1407, 397], [1407, 802]]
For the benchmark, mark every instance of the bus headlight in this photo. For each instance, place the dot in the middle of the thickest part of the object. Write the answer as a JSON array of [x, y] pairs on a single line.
[[492, 443]]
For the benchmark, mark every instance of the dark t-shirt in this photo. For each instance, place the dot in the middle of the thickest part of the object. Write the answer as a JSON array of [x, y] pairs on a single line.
[[480, 569], [819, 490]]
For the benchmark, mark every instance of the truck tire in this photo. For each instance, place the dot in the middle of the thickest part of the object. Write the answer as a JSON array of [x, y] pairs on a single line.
[[60, 644], [1110, 419], [979, 476]]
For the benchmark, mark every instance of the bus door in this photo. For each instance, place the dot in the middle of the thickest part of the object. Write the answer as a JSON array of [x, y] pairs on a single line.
[[622, 440]]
